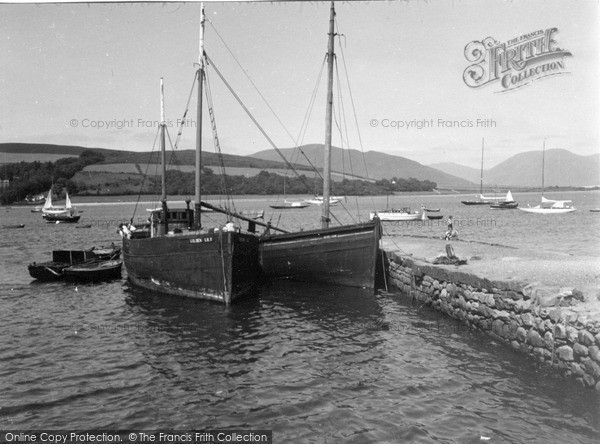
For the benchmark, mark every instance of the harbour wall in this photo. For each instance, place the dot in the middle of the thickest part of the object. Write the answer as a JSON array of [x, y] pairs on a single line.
[[529, 317]]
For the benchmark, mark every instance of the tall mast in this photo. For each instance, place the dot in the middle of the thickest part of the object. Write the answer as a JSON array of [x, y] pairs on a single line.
[[163, 159], [543, 165], [328, 114], [200, 79], [481, 173]]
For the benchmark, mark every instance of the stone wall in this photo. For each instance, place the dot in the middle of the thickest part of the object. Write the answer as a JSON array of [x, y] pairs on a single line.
[[531, 318]]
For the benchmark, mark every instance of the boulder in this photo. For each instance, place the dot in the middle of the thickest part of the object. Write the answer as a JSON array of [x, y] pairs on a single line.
[[564, 353]]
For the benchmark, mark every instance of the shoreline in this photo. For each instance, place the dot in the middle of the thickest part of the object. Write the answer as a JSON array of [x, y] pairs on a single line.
[[540, 303]]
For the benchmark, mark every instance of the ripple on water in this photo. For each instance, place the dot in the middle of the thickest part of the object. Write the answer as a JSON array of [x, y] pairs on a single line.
[[315, 364]]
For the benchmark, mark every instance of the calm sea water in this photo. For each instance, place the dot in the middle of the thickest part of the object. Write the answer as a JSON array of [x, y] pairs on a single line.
[[314, 364]]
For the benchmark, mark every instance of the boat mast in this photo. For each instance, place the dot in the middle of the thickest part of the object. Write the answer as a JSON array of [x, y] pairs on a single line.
[[163, 156], [543, 165], [200, 78], [481, 173], [328, 117]]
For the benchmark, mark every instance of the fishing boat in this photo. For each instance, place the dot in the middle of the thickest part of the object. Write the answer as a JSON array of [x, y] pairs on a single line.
[[398, 214], [343, 255], [507, 204], [54, 214], [218, 263], [62, 259], [481, 199], [14, 226], [549, 206], [94, 271]]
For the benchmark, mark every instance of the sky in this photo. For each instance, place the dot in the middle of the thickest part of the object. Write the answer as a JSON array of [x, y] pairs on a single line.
[[89, 74]]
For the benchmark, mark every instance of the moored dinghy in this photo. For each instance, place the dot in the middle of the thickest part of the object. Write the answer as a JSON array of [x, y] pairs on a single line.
[[62, 259], [94, 271]]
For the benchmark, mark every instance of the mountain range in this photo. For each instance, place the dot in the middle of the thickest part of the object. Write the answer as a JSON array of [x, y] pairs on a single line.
[[372, 164], [562, 167]]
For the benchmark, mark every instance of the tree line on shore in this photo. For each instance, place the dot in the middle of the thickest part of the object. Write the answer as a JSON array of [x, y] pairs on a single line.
[[32, 178]]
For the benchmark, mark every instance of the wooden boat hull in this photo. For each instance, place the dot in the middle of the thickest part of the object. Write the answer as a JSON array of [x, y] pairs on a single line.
[[476, 202], [47, 271], [344, 255], [62, 219], [504, 206], [435, 216], [94, 271], [62, 259], [220, 266]]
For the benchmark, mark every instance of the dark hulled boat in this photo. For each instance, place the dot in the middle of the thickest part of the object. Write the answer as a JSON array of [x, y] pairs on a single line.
[[481, 199], [504, 205], [94, 271], [67, 214], [344, 255], [221, 266], [62, 259], [189, 260]]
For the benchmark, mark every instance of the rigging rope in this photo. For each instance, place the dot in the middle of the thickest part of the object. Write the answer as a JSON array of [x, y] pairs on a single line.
[[260, 128], [261, 96], [144, 176], [354, 112], [229, 205]]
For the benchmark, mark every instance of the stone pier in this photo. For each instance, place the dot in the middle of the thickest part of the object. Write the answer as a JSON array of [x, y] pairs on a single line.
[[538, 303]]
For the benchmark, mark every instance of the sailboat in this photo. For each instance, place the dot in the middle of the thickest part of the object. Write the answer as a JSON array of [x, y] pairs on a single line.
[[66, 214], [343, 255], [549, 206], [287, 204], [507, 204], [481, 199], [220, 263]]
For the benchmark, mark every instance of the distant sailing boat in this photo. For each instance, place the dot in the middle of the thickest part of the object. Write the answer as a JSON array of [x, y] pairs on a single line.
[[481, 199], [548, 206], [344, 255], [287, 204], [66, 214], [507, 204], [219, 264]]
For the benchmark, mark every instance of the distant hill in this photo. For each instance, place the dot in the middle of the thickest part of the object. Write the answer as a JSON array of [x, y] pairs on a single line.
[[34, 151], [373, 164], [454, 169], [562, 168]]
